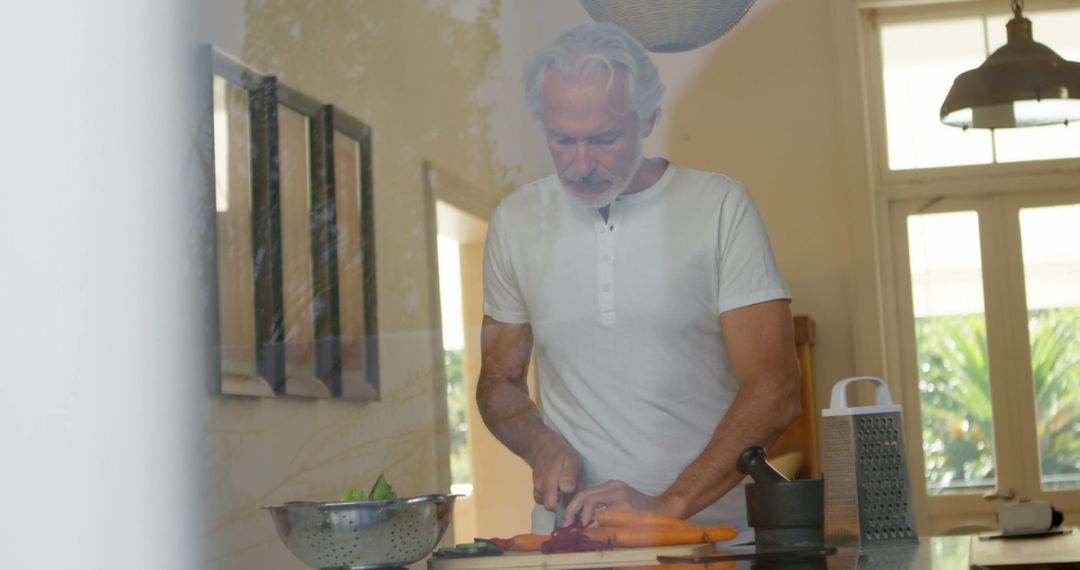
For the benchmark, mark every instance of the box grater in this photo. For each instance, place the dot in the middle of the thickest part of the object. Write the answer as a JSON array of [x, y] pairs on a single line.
[[867, 493]]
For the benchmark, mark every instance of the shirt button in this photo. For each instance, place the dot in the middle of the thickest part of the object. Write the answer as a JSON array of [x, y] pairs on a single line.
[[607, 287], [607, 257], [602, 229]]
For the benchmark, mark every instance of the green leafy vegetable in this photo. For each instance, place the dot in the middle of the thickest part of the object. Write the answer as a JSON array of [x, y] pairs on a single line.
[[382, 490]]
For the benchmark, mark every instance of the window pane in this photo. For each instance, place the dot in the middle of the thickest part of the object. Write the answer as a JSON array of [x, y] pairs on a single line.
[[232, 186], [919, 62], [350, 257], [296, 276], [1051, 248], [950, 336], [1058, 31]]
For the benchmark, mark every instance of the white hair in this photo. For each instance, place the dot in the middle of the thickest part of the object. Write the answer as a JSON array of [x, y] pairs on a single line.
[[592, 48]]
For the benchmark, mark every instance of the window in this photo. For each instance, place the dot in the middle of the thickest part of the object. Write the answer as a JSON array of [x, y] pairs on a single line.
[[1050, 238], [982, 320], [950, 331], [982, 279], [919, 60]]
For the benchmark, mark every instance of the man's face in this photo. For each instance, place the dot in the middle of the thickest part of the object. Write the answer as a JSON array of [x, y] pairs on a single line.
[[592, 133]]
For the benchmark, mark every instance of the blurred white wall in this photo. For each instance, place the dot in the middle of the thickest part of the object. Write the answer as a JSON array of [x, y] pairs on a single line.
[[101, 363]]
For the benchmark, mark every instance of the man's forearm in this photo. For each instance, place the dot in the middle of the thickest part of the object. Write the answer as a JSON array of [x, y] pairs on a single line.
[[509, 413], [757, 416], [760, 345], [502, 396]]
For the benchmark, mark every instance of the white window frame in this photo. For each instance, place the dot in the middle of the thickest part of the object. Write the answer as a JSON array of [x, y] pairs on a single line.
[[872, 189]]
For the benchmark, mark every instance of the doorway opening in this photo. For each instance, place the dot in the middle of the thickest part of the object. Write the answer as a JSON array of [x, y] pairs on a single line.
[[460, 236], [500, 501], [453, 329]]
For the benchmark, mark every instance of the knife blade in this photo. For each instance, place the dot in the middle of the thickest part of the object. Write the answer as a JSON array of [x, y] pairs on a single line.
[[560, 513], [785, 555]]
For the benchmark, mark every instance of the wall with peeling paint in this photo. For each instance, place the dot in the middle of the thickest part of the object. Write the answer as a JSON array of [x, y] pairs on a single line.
[[410, 69]]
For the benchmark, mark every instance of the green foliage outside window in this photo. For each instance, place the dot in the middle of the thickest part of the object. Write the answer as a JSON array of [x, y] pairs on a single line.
[[954, 383], [1055, 359], [955, 387], [457, 402]]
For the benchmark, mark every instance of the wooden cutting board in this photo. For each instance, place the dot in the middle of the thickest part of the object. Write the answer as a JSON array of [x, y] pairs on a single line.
[[616, 557]]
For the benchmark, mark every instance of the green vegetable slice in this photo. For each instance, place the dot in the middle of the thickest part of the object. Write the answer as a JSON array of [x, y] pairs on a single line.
[[479, 548], [354, 494]]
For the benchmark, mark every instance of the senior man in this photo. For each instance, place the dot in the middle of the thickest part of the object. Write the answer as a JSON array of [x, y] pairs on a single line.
[[660, 320]]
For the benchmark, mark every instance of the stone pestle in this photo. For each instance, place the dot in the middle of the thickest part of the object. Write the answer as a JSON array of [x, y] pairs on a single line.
[[752, 462]]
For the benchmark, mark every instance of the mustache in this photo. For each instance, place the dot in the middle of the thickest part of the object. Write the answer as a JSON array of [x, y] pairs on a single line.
[[590, 179]]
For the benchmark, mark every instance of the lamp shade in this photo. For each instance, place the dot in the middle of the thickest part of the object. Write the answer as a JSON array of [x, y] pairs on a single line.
[[1022, 84], [670, 25]]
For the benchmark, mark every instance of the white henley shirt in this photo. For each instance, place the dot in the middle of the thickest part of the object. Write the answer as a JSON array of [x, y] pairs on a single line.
[[625, 318]]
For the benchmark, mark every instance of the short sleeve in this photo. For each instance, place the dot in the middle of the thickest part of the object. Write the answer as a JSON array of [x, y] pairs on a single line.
[[502, 296], [746, 269]]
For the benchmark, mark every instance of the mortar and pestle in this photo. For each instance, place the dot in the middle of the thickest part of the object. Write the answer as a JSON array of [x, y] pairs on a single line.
[[785, 514]]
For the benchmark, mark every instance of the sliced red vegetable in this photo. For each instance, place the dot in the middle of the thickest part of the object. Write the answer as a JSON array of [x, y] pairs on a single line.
[[572, 539]]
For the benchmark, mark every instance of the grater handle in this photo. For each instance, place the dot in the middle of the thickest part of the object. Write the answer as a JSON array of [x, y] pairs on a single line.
[[839, 392]]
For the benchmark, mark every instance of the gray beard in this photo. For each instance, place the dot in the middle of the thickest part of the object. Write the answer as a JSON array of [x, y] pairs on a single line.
[[605, 198]]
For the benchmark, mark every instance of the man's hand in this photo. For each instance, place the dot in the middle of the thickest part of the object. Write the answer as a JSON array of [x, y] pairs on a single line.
[[614, 494], [555, 464]]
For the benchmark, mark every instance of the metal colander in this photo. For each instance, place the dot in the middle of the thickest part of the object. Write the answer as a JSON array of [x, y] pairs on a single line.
[[363, 534]]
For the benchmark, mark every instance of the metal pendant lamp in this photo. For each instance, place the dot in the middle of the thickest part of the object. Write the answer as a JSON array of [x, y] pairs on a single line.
[[670, 25], [1022, 84]]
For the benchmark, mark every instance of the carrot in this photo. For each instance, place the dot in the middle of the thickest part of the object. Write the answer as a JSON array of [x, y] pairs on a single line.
[[528, 542], [719, 533], [600, 533], [658, 530], [625, 517], [660, 535], [636, 537], [640, 536], [609, 533]]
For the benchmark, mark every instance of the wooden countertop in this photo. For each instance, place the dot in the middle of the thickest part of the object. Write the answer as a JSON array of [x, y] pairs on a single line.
[[932, 553]]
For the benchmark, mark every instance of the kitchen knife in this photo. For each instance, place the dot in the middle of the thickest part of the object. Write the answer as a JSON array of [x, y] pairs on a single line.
[[564, 499], [786, 555]]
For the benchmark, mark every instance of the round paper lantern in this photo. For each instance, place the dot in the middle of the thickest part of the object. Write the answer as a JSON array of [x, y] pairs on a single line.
[[670, 25]]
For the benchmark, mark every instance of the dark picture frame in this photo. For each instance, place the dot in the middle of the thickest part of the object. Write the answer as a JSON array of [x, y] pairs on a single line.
[[331, 374]]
